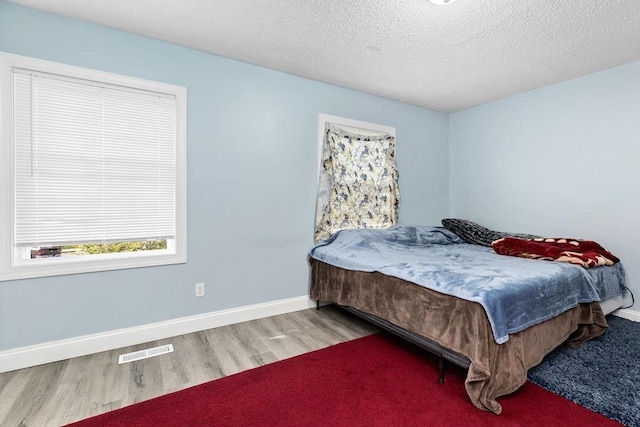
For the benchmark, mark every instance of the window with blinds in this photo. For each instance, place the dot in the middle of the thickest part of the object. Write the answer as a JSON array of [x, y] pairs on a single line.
[[96, 159]]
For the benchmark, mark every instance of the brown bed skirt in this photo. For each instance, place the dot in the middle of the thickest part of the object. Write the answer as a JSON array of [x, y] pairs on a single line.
[[459, 326]]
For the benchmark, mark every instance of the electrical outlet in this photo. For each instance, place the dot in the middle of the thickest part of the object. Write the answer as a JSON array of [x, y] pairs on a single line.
[[199, 289]]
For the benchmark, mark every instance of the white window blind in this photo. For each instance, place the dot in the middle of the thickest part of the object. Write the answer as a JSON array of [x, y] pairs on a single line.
[[92, 162]]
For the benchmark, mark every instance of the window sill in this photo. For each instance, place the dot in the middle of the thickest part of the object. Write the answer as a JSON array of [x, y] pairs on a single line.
[[56, 267]]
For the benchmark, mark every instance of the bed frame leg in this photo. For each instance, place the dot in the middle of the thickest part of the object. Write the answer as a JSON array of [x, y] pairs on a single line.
[[441, 369], [317, 304]]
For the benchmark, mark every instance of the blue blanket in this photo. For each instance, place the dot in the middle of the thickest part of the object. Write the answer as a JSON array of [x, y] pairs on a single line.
[[515, 292]]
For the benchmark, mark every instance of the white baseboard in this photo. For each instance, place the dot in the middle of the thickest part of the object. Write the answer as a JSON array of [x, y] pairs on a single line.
[[628, 314], [24, 357]]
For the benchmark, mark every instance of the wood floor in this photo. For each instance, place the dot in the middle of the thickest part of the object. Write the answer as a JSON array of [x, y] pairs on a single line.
[[62, 392]]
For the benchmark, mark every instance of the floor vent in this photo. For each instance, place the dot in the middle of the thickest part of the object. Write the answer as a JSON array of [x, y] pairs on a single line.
[[145, 354]]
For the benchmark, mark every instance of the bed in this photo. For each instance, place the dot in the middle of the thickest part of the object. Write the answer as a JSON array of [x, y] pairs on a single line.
[[464, 302]]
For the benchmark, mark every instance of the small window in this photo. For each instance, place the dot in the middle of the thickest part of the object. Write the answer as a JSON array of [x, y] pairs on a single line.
[[94, 169], [358, 177]]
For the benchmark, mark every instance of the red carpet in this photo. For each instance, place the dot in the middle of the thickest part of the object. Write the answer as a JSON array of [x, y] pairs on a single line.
[[373, 381]]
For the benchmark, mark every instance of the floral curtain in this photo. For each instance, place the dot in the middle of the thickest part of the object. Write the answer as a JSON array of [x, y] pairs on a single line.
[[358, 183]]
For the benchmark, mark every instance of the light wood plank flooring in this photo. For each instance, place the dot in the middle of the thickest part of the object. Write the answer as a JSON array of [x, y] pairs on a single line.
[[62, 392]]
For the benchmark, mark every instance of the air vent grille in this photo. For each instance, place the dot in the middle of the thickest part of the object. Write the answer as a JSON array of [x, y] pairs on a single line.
[[145, 354]]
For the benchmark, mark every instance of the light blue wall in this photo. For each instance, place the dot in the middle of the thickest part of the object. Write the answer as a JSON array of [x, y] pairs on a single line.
[[563, 160], [252, 136]]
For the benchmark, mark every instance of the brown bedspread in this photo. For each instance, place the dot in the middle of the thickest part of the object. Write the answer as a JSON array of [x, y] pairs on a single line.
[[458, 325]]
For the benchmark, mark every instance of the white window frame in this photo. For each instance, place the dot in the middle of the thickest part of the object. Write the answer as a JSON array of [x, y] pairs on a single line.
[[10, 266]]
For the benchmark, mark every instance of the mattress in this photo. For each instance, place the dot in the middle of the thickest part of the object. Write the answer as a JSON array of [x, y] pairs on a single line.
[[515, 292]]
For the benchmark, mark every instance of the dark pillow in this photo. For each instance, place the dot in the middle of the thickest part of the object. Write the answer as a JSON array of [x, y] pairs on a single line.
[[477, 234]]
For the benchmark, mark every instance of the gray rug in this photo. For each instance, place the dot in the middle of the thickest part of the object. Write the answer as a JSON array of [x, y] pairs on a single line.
[[602, 375]]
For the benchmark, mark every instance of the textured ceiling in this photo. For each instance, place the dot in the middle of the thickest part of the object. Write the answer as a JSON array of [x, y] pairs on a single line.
[[445, 58]]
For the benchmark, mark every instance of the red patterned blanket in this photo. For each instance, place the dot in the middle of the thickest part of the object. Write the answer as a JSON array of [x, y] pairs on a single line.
[[575, 251]]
